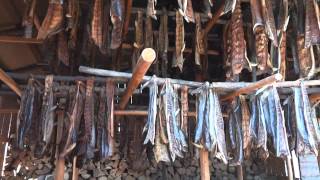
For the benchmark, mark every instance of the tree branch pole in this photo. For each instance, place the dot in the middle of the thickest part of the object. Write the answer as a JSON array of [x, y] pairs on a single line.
[[214, 19], [10, 82], [148, 55], [252, 87]]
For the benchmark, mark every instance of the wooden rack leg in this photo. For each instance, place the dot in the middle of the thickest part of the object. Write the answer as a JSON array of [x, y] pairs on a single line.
[[239, 172], [289, 168], [59, 175], [75, 170], [204, 165]]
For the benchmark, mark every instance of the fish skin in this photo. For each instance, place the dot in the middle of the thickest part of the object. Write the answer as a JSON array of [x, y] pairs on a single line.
[[200, 45], [47, 112], [74, 116], [253, 131], [235, 128], [176, 138], [282, 49], [268, 16], [245, 126], [149, 128], [89, 117], [25, 113], [262, 132], [180, 44], [52, 21], [151, 10], [110, 90], [312, 23], [261, 47], [305, 62], [97, 23], [238, 44], [117, 19], [210, 125], [160, 149], [281, 144], [189, 14], [101, 125], [230, 6], [184, 109]]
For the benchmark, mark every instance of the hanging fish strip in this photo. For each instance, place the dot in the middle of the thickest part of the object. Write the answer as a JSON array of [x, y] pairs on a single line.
[[238, 45], [305, 62], [110, 87], [312, 23], [270, 109], [52, 21], [89, 119], [151, 10], [163, 42], [245, 126], [74, 117], [210, 124], [235, 133], [176, 138], [117, 19], [200, 44], [47, 112], [27, 112], [207, 8], [97, 23], [160, 149], [63, 51], [149, 128], [308, 133], [186, 10], [180, 44], [261, 40], [270, 26]]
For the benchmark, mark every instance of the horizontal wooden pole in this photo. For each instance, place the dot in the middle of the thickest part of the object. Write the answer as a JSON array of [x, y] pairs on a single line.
[[140, 113], [19, 40], [172, 49], [252, 87]]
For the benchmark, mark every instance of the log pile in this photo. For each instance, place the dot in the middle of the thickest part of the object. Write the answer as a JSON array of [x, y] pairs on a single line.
[[118, 168]]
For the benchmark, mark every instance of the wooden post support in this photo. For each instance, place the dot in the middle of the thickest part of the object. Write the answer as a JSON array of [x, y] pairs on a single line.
[[204, 164], [10, 82], [59, 174], [253, 86], [147, 56], [239, 172], [75, 170], [289, 168], [127, 18]]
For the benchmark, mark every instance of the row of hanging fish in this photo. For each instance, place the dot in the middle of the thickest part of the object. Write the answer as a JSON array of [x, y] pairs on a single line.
[[87, 119], [300, 18], [266, 125]]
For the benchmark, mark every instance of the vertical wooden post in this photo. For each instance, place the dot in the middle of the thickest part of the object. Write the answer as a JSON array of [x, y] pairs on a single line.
[[289, 168], [75, 170], [59, 174], [239, 172], [204, 165]]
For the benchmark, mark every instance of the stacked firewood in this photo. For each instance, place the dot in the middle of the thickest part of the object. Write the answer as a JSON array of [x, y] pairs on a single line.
[[118, 168]]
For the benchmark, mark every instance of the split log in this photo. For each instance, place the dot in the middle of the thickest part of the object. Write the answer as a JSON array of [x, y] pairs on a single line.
[[10, 82], [147, 56]]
